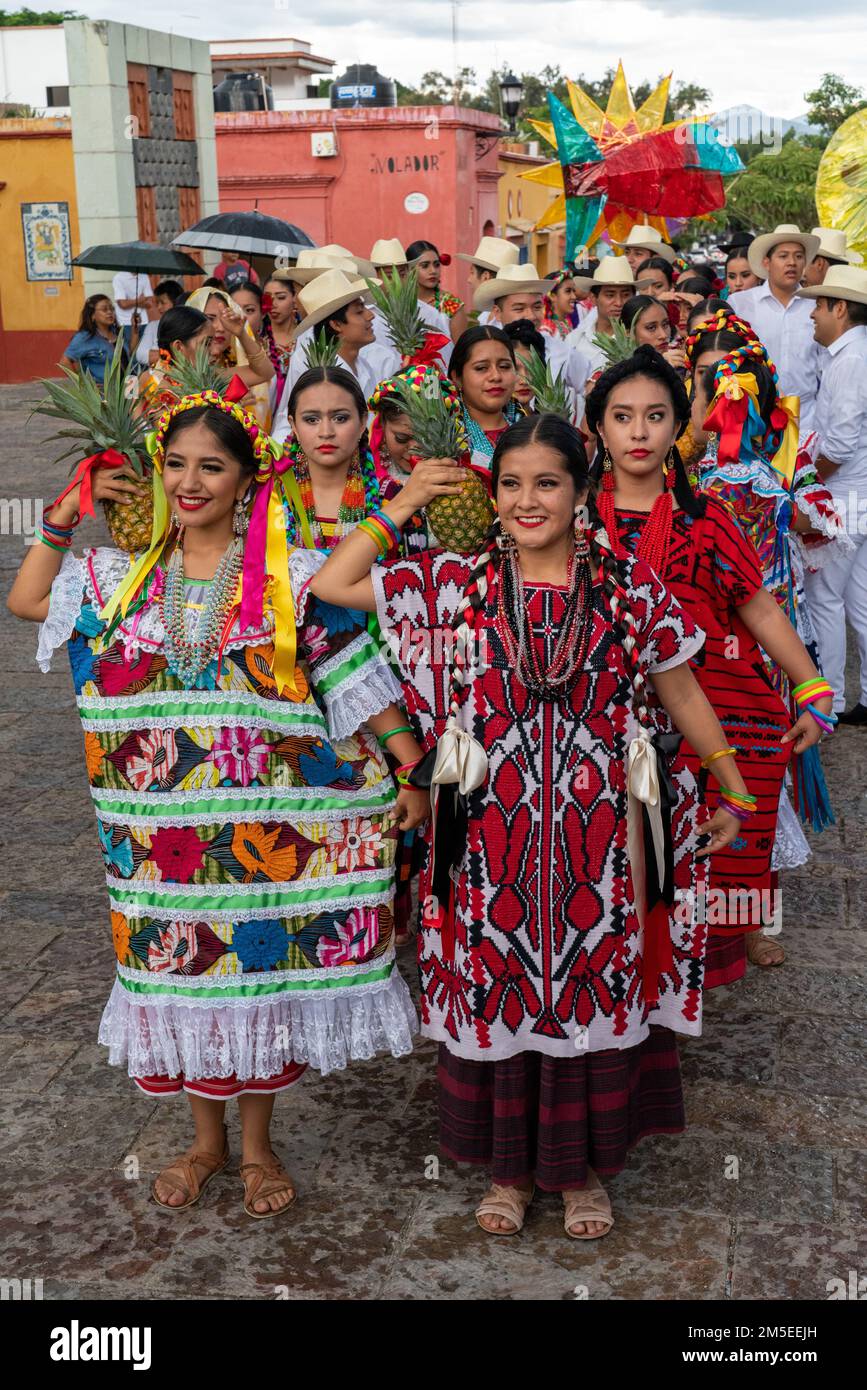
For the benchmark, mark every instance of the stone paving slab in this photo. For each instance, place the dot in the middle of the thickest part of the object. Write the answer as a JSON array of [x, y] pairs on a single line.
[[776, 1085]]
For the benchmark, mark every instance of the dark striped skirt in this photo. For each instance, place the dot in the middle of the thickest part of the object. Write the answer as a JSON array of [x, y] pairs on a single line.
[[549, 1119], [725, 959]]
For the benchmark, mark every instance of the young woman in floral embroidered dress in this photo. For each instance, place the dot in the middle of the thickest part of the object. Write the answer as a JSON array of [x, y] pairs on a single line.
[[552, 1004], [248, 828]]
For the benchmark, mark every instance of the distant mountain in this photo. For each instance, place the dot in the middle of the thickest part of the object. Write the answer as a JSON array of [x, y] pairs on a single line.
[[748, 125]]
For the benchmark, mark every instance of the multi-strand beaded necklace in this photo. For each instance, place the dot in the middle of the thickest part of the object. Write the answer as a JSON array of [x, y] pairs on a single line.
[[516, 629], [191, 643]]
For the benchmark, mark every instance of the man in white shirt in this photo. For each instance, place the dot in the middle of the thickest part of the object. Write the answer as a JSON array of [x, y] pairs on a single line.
[[838, 591], [333, 299], [779, 317], [133, 296], [833, 250]]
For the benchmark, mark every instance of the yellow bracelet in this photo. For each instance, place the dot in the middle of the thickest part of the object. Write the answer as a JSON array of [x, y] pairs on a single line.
[[720, 753]]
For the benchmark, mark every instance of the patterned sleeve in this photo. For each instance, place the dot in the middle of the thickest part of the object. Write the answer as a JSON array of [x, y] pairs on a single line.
[[735, 564], [667, 635], [416, 604], [348, 673]]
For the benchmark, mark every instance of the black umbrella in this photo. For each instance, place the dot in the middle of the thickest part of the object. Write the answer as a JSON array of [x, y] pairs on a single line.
[[143, 257], [252, 232]]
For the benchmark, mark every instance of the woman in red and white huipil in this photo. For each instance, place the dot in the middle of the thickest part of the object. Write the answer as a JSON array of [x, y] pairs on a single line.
[[557, 947]]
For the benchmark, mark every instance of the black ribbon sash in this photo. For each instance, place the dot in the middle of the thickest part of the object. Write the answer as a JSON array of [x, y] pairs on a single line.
[[667, 747], [450, 836]]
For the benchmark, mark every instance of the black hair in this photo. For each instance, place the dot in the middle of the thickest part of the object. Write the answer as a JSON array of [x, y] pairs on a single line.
[[553, 431], [738, 254], [647, 362], [479, 333], [524, 332], [706, 307], [695, 284], [637, 305], [250, 287], [418, 248], [213, 282], [703, 269], [180, 323], [587, 267], [228, 432], [657, 263], [723, 339], [170, 289], [327, 325], [857, 312], [338, 376]]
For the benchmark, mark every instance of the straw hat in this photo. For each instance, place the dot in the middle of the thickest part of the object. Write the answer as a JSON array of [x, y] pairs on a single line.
[[312, 262], [514, 279], [328, 292], [644, 238], [762, 246], [611, 270], [834, 247], [340, 253], [493, 253], [388, 253], [841, 282]]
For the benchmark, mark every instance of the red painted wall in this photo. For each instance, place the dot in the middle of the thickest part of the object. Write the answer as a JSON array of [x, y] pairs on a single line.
[[25, 356], [445, 154]]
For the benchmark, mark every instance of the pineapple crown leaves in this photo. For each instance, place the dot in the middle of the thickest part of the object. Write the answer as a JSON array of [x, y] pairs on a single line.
[[189, 377], [550, 394], [437, 428], [320, 351], [618, 345], [397, 301], [101, 419]]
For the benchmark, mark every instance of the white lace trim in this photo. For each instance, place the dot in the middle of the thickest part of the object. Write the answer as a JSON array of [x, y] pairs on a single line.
[[64, 606], [303, 564], [257, 1038], [182, 798], [134, 912], [190, 719], [188, 699], [791, 847], [365, 693], [277, 816]]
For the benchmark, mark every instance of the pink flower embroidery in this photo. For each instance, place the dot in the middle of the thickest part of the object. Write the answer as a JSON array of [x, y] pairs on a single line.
[[240, 754], [177, 853], [175, 947], [357, 844], [356, 938], [159, 753], [315, 641]]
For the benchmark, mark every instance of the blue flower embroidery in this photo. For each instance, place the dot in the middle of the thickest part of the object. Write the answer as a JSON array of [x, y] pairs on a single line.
[[336, 619], [319, 768], [89, 621], [260, 945], [81, 660], [117, 857]]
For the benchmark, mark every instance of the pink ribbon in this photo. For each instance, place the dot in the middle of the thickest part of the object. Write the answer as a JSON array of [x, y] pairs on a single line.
[[253, 589]]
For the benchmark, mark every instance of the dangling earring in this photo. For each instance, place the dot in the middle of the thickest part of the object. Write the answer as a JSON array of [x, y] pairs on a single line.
[[240, 520], [668, 469], [582, 545], [607, 471], [504, 541]]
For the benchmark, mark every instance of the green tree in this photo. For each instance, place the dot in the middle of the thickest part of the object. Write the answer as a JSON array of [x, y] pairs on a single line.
[[833, 102], [776, 187], [9, 19]]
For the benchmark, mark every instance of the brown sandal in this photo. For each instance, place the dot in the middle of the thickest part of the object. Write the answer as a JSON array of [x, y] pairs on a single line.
[[508, 1202], [266, 1180], [589, 1203], [757, 953], [190, 1183]]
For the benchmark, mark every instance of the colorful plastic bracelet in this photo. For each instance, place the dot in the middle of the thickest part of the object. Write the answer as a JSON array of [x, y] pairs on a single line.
[[809, 691], [53, 542], [382, 537], [742, 813], [382, 739], [825, 721], [52, 528], [386, 520], [402, 774], [720, 753]]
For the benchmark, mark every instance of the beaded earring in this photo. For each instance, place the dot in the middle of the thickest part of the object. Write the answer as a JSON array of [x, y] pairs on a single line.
[[607, 471], [240, 520], [582, 545], [504, 541], [668, 469]]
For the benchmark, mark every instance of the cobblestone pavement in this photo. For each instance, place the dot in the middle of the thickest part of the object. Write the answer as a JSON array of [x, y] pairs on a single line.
[[778, 1082]]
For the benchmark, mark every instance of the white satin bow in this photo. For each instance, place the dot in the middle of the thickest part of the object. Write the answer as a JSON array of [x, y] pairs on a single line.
[[642, 782], [461, 759]]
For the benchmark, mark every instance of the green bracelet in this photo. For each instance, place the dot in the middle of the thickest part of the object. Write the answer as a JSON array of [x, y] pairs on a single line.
[[382, 739]]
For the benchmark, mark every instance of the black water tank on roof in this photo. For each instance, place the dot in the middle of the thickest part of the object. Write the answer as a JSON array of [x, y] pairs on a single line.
[[243, 91], [363, 85]]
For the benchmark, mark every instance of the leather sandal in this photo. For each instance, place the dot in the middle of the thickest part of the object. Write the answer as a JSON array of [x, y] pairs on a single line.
[[508, 1202], [190, 1183], [265, 1180], [757, 950], [590, 1203]]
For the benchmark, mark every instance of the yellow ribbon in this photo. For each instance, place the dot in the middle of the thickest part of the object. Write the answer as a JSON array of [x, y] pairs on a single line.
[[128, 587], [744, 384], [282, 601]]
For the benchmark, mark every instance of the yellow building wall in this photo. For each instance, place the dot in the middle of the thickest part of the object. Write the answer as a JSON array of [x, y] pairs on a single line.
[[521, 205], [35, 166]]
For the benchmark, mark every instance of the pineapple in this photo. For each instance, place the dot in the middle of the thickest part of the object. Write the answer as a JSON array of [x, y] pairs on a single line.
[[618, 345], [460, 523], [106, 419], [187, 378], [550, 395], [320, 351], [397, 301]]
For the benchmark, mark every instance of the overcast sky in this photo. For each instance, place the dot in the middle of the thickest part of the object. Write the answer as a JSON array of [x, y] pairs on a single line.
[[767, 53]]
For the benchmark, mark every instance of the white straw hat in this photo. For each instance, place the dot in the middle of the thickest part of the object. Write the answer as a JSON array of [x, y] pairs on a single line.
[[841, 282], [330, 291], [515, 279], [388, 253], [611, 270], [834, 246], [493, 253], [644, 238], [314, 261]]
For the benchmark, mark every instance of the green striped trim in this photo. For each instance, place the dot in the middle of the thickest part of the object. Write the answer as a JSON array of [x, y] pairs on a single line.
[[257, 991], [191, 807], [122, 712], [325, 683], [208, 904]]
